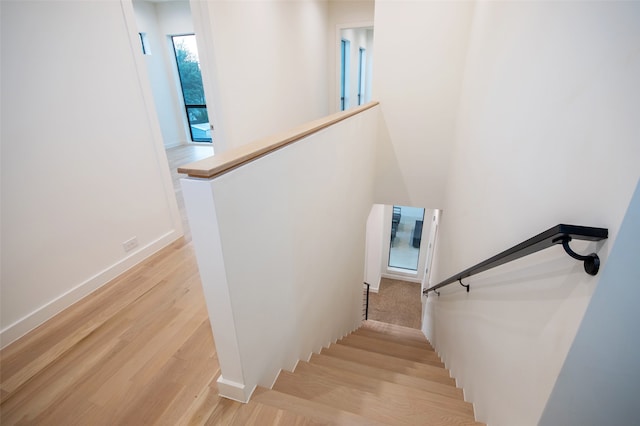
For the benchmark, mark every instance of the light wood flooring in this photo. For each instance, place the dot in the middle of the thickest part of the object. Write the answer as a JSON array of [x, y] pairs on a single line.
[[381, 374], [137, 351]]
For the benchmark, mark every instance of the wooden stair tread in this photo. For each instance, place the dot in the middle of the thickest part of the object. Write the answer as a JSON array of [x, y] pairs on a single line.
[[379, 374], [407, 333], [399, 339], [365, 404], [387, 362], [392, 349], [311, 410], [393, 392], [387, 375], [255, 413]]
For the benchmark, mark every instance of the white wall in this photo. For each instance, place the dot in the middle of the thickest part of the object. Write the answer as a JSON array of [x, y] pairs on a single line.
[[344, 14], [265, 63], [606, 344], [159, 20], [547, 133], [175, 17], [374, 247], [419, 62], [280, 244], [83, 167]]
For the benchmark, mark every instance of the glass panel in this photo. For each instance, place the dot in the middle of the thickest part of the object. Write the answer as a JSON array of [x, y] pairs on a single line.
[[186, 52], [199, 123], [361, 76], [344, 74], [406, 235]]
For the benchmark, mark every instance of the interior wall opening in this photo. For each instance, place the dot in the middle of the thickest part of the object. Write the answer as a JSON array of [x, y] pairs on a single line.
[[185, 51], [355, 64], [169, 48]]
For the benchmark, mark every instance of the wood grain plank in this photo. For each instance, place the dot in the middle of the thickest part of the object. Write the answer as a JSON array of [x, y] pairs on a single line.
[[325, 414], [386, 362], [393, 329], [392, 349], [387, 375], [141, 344], [391, 391], [376, 408]]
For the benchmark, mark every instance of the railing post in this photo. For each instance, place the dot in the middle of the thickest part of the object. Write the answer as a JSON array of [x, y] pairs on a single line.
[[366, 309]]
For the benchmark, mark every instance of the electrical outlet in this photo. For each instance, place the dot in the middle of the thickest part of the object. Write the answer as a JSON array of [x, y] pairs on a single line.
[[130, 244]]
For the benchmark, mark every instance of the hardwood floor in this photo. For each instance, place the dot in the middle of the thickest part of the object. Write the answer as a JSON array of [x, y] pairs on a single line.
[[137, 351]]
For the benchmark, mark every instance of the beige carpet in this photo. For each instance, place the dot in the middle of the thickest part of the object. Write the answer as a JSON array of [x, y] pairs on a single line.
[[397, 302]]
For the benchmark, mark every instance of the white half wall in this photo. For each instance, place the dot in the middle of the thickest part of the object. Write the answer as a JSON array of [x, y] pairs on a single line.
[[83, 167], [280, 244], [547, 133]]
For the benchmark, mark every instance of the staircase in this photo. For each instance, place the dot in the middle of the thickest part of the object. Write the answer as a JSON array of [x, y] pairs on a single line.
[[381, 374]]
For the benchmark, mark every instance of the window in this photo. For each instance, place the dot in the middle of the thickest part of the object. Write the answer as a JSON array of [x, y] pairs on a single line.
[[362, 74], [345, 47], [406, 236], [186, 52], [144, 41]]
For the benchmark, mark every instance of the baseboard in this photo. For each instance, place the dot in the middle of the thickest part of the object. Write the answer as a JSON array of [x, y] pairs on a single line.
[[402, 278], [24, 325], [233, 390], [175, 144], [374, 287]]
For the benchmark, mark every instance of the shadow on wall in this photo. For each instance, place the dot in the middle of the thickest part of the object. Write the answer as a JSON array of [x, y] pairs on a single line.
[[390, 185]]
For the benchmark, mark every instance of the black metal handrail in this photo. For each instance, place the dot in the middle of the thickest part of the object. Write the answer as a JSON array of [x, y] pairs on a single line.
[[559, 234], [365, 308]]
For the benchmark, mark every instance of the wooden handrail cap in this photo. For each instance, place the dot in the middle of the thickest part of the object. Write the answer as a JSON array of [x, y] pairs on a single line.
[[219, 164]]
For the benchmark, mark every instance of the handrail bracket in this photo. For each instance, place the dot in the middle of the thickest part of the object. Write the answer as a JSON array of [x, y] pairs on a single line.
[[591, 261], [463, 285], [425, 291]]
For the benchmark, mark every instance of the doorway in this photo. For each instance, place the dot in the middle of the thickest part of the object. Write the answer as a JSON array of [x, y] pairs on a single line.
[[185, 50], [169, 48], [395, 284], [406, 237], [355, 56]]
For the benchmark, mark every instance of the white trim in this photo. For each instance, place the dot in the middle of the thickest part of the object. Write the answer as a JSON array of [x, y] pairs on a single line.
[[29, 322], [202, 26], [406, 278], [233, 390]]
